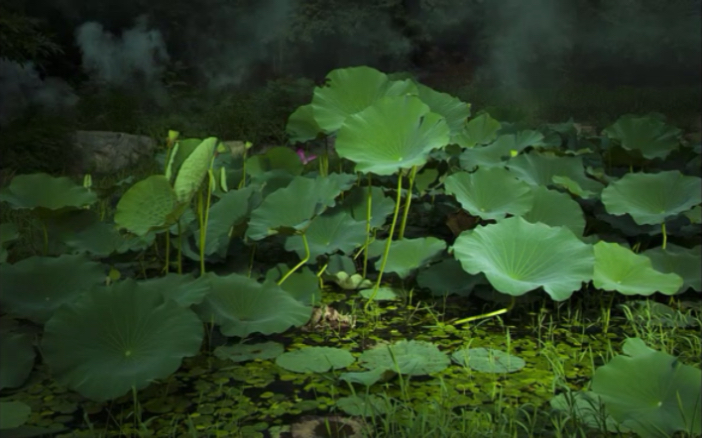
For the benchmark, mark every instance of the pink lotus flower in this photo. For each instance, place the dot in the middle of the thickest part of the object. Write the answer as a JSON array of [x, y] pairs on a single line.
[[303, 157]]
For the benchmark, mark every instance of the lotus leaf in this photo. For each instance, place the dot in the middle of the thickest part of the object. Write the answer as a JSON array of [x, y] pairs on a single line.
[[648, 134], [13, 414], [490, 193], [407, 255], [488, 360], [315, 359], [302, 126], [517, 256], [555, 208], [116, 338], [393, 133], [481, 130], [540, 170], [451, 108], [492, 155], [45, 191], [194, 170], [618, 268], [148, 205], [448, 277], [685, 262], [328, 234], [414, 358], [368, 405], [652, 197], [16, 359]]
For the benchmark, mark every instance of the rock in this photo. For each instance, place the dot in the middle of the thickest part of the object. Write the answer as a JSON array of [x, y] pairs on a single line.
[[105, 152]]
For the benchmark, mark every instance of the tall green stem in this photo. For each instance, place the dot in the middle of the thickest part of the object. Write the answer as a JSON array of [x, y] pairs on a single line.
[[302, 262], [388, 242], [369, 200], [408, 202]]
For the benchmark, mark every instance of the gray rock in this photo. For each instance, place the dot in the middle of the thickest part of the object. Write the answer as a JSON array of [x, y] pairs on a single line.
[[104, 152]]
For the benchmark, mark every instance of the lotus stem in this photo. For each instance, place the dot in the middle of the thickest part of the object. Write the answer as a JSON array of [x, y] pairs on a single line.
[[166, 267], [487, 315], [388, 242], [369, 201], [408, 202], [665, 235], [180, 248], [302, 262]]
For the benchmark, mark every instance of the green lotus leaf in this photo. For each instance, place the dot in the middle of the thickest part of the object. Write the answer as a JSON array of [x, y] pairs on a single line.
[[294, 206], [8, 233], [685, 262], [492, 155], [302, 126], [452, 109], [16, 358], [45, 191], [13, 414], [148, 205], [651, 136], [362, 405], [116, 338], [241, 306], [246, 352], [652, 197], [618, 268], [315, 359], [383, 293], [328, 234], [414, 358], [481, 130], [556, 209], [369, 377], [488, 360], [180, 152], [575, 188], [393, 133], [356, 203], [425, 179], [303, 284], [448, 277], [406, 255], [694, 214], [184, 289], [517, 256], [231, 209], [35, 287], [490, 193], [277, 158], [653, 394], [351, 90], [84, 231], [539, 170], [588, 408], [194, 170]]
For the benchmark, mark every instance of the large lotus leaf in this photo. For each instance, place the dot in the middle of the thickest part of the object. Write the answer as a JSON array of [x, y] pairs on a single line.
[[42, 190], [492, 155], [356, 203], [328, 234], [556, 209], [14, 414], [16, 358], [490, 193], [294, 206], [148, 205], [393, 133], [653, 394], [618, 268], [517, 256], [652, 197], [315, 359], [277, 158], [539, 170], [448, 277], [117, 338], [230, 209], [35, 287], [185, 290], [241, 306], [414, 358], [351, 90], [302, 126], [651, 136], [406, 255], [303, 284], [194, 170], [488, 360], [481, 130], [451, 108], [685, 262]]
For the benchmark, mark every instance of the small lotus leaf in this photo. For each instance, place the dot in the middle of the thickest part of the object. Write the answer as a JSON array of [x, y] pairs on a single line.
[[652, 197], [393, 133], [488, 360], [481, 130], [194, 170], [685, 262], [451, 108], [366, 405], [383, 293], [35, 287], [315, 359], [42, 190], [517, 256], [303, 284], [448, 277], [490, 193], [302, 126], [329, 233], [413, 358], [540, 169], [356, 203], [618, 268], [370, 377], [555, 208], [654, 394], [116, 338], [407, 255], [492, 155], [147, 205], [648, 134]]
